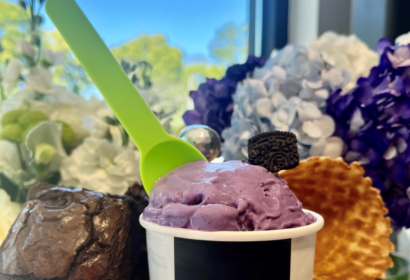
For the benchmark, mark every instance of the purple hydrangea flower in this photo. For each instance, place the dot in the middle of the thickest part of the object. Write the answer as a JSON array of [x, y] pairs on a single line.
[[213, 99], [374, 121]]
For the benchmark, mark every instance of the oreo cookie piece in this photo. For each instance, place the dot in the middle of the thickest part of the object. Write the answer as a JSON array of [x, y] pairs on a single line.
[[275, 150]]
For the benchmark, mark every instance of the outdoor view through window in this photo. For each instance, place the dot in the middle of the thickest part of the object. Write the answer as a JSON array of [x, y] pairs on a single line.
[[166, 47]]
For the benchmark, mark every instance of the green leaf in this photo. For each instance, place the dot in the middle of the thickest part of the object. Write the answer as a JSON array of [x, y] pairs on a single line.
[[134, 79], [112, 121], [32, 117], [53, 178], [41, 170], [68, 135], [35, 38], [38, 19], [108, 136], [12, 132], [9, 186], [125, 66], [125, 137], [12, 116], [22, 4]]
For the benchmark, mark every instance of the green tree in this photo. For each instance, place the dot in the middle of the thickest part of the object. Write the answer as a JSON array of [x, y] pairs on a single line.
[[229, 44], [171, 79], [71, 73], [18, 20], [166, 61], [13, 24]]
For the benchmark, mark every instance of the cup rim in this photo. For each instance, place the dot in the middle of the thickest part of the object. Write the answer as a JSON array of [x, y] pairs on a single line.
[[265, 235]]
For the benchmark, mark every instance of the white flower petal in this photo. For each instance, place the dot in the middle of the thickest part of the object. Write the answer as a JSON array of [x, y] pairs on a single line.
[[311, 129], [334, 147], [403, 39], [356, 122], [95, 126], [277, 99], [326, 125], [306, 93], [13, 70], [245, 135], [390, 153], [284, 116], [308, 111], [290, 87], [263, 107], [312, 85], [334, 76], [258, 87], [25, 48], [318, 147], [53, 58], [260, 73], [9, 159], [8, 213], [40, 80], [322, 93], [279, 73]]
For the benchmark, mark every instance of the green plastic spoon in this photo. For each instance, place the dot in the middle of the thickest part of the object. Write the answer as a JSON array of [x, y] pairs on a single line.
[[160, 152]]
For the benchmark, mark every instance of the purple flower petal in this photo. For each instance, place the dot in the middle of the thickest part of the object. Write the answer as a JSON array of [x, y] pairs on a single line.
[[399, 207], [237, 72], [383, 99], [192, 117], [363, 93], [383, 44], [358, 145], [213, 99]]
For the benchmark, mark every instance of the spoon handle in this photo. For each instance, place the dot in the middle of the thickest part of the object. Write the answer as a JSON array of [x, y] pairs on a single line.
[[124, 99]]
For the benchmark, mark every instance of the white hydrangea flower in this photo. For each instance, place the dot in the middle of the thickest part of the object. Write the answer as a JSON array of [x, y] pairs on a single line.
[[25, 48], [8, 213], [346, 52], [403, 39], [289, 94], [53, 58], [40, 80], [9, 160], [12, 73], [62, 105], [100, 165]]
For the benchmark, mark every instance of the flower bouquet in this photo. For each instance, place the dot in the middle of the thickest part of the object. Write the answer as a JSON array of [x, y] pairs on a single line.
[[373, 121], [329, 95], [49, 133]]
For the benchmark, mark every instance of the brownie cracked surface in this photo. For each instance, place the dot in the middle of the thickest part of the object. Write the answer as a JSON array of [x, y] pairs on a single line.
[[64, 233]]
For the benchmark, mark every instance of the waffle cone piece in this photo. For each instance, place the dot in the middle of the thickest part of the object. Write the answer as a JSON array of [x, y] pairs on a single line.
[[354, 243]]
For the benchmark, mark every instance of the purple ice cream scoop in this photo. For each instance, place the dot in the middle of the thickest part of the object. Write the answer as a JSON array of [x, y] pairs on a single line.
[[228, 196]]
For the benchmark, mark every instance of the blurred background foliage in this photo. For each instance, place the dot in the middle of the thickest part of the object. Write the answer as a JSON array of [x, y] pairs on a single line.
[[172, 78]]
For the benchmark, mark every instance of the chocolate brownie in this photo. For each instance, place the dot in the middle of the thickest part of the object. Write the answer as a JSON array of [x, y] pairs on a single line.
[[64, 233]]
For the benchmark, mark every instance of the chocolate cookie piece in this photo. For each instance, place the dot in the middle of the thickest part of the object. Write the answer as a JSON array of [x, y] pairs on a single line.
[[64, 233], [275, 150]]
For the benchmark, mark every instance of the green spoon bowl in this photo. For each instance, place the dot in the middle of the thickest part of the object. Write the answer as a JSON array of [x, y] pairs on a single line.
[[160, 152]]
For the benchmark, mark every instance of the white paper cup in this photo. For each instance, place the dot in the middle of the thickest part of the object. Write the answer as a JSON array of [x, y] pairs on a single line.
[[185, 254]]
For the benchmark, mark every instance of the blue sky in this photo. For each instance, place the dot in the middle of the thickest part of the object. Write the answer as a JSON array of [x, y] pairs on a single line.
[[188, 24]]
